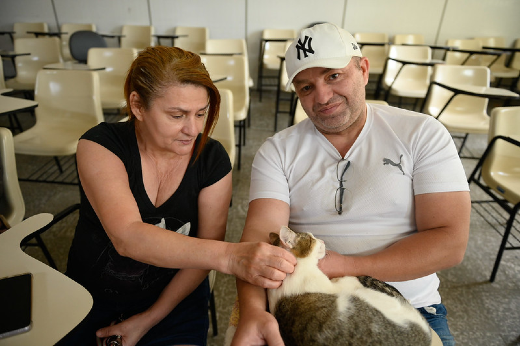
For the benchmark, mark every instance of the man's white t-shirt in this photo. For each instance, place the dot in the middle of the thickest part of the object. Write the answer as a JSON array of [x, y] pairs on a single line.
[[397, 155]]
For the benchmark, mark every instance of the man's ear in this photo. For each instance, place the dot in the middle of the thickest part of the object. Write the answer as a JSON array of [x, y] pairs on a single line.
[[365, 66], [136, 105]]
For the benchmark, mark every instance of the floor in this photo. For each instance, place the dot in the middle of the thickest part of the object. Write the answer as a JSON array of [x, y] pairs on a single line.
[[480, 312]]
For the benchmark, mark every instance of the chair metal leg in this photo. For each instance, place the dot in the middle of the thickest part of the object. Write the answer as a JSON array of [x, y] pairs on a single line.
[[57, 160], [45, 251], [503, 244], [463, 143], [213, 312]]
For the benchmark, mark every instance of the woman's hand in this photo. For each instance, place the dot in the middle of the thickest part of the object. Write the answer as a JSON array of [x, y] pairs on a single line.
[[259, 263], [131, 330]]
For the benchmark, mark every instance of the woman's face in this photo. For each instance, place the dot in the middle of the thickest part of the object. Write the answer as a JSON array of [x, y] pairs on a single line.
[[174, 119]]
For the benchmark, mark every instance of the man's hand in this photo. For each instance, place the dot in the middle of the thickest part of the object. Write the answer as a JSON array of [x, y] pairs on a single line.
[[261, 329], [333, 264], [259, 263]]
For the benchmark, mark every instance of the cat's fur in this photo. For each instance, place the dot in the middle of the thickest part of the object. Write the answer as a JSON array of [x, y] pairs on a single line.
[[313, 310]]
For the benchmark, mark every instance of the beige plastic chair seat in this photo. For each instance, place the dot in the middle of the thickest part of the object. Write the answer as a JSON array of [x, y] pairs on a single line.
[[44, 51], [195, 41], [224, 130], [68, 105], [43, 140], [69, 29], [408, 80], [137, 36], [116, 61]]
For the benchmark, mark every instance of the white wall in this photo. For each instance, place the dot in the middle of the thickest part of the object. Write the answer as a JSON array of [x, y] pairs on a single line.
[[437, 20]]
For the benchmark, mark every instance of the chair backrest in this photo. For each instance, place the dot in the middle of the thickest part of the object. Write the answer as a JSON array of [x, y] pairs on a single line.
[[116, 61], [137, 36], [234, 68], [224, 130], [412, 53], [284, 78], [44, 50], [515, 62], [376, 54], [408, 38], [273, 49], [504, 158], [457, 58], [195, 41], [12, 205], [69, 29], [68, 98], [2, 79], [81, 41], [457, 74], [20, 29], [492, 41], [226, 46]]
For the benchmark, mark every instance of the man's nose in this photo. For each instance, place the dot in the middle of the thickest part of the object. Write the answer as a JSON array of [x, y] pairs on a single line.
[[323, 93]]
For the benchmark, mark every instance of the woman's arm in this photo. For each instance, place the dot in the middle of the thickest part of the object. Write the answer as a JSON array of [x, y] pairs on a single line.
[[105, 182]]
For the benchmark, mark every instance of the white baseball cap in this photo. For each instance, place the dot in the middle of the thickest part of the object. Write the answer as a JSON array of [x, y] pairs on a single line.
[[323, 45]]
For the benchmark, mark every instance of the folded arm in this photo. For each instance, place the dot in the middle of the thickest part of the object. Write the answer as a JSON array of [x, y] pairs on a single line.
[[440, 242]]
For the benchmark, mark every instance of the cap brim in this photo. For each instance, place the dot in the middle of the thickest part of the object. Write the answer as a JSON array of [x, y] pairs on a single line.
[[325, 63]]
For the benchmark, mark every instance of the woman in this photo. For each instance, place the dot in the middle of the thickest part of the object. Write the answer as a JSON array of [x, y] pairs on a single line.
[[155, 193]]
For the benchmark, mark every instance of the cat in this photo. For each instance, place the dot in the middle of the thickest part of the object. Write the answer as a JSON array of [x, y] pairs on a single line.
[[313, 310]]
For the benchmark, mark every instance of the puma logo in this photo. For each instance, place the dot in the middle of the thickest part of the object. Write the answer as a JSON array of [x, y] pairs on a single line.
[[390, 162]]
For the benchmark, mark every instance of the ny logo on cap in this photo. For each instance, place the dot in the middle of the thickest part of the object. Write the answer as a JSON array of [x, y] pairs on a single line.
[[304, 47]]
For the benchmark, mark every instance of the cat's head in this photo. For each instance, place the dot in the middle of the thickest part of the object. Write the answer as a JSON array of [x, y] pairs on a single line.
[[300, 244]]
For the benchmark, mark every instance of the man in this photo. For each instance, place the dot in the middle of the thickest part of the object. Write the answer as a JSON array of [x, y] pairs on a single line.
[[382, 186]]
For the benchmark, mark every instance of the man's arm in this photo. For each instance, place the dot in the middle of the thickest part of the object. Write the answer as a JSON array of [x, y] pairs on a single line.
[[443, 229], [256, 325]]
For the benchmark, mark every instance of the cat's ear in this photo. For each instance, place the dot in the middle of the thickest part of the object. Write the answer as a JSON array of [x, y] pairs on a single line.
[[274, 239], [287, 236]]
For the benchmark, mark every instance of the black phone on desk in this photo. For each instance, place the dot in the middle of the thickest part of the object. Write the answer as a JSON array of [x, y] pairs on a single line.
[[15, 305]]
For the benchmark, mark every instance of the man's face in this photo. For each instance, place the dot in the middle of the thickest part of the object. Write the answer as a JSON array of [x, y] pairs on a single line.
[[333, 98]]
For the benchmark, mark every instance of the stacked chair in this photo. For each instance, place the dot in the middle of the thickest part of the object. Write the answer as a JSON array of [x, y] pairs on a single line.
[[43, 51], [234, 67], [116, 61], [68, 105], [498, 176], [12, 206], [68, 29], [196, 38], [272, 45], [137, 36]]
